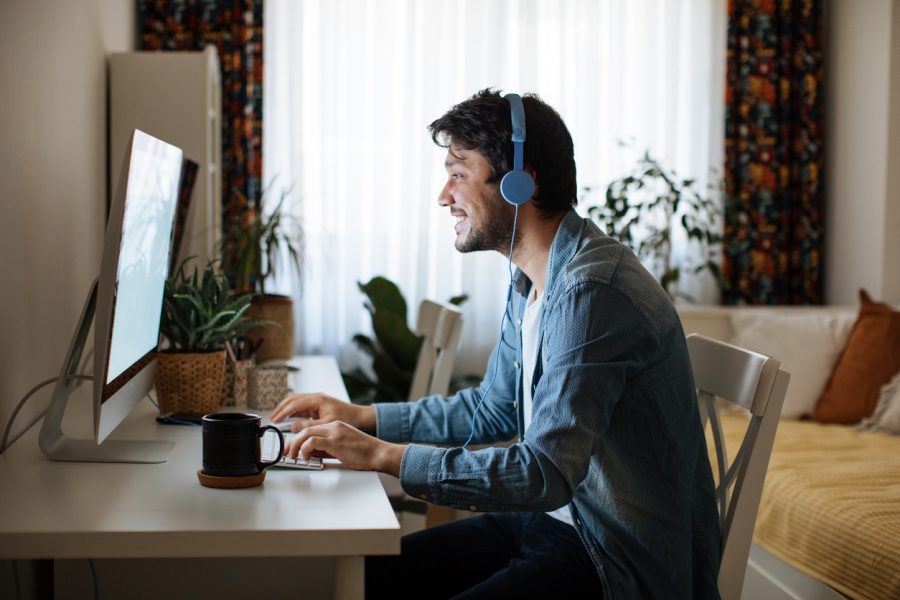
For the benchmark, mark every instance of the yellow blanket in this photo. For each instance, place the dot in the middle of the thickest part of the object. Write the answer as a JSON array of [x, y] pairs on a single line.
[[831, 504]]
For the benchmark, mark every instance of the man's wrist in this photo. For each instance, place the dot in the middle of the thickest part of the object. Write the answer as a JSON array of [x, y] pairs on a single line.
[[367, 421], [392, 458]]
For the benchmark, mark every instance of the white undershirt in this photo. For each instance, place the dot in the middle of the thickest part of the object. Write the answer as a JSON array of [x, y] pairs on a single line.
[[531, 330]]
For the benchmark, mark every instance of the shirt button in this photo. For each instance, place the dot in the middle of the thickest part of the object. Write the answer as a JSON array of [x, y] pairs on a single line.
[[519, 322], [516, 364], [515, 404]]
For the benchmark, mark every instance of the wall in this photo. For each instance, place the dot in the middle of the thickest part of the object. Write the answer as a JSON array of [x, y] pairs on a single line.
[[52, 177], [891, 267], [862, 248], [52, 183]]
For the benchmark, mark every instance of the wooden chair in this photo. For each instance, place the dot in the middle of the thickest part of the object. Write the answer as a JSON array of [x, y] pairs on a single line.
[[755, 382], [440, 325]]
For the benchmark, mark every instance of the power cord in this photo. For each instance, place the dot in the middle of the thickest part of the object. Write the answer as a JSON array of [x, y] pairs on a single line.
[[22, 402], [87, 357]]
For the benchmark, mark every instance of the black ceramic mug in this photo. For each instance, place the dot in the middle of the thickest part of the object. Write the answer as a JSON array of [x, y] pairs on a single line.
[[231, 444]]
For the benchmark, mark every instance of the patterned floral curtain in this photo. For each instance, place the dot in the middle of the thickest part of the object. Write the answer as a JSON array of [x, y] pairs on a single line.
[[774, 153], [234, 27]]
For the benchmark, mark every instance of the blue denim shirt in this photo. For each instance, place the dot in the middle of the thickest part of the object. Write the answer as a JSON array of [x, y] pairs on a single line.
[[615, 430]]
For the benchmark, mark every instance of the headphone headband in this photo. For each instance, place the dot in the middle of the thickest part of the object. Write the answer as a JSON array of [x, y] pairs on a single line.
[[517, 186], [517, 115]]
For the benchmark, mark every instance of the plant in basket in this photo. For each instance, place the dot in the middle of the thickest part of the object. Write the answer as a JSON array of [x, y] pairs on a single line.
[[200, 315], [255, 250]]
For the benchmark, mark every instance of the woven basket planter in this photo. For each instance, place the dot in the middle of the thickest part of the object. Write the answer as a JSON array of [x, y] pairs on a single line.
[[188, 383], [278, 342]]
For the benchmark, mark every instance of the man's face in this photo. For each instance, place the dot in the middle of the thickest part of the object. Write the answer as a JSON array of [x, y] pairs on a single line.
[[484, 219]]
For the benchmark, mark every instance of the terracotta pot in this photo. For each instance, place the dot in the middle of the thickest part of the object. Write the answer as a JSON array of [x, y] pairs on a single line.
[[189, 383], [277, 342]]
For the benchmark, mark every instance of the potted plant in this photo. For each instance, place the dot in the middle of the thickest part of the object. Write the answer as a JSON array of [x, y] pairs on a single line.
[[200, 315], [256, 249], [645, 207], [394, 351]]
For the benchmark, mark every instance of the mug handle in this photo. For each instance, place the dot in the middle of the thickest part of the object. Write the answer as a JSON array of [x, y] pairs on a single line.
[[262, 432]]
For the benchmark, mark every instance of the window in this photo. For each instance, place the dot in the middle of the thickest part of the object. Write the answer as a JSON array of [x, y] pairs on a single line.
[[351, 86]]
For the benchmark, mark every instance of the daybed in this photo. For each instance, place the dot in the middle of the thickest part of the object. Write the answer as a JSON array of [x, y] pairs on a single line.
[[829, 518]]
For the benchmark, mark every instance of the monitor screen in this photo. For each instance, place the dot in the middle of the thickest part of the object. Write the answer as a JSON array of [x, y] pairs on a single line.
[[150, 200], [125, 307]]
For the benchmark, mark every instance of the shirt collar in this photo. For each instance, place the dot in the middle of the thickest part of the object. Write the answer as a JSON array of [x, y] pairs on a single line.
[[563, 248]]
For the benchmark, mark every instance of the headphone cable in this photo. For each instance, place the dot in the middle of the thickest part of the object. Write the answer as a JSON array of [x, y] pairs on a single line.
[[512, 242]]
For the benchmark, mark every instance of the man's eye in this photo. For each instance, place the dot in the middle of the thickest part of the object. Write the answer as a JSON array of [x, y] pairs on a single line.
[[456, 176]]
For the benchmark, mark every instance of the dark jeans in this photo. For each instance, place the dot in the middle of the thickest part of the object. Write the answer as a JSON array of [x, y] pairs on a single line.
[[496, 555]]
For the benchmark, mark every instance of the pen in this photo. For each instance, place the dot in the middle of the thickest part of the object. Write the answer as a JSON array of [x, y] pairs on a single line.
[[230, 352]]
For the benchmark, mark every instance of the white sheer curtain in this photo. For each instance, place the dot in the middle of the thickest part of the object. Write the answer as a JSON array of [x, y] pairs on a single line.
[[350, 86]]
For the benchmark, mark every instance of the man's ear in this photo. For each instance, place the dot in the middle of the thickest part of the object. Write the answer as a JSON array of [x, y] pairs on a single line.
[[537, 188]]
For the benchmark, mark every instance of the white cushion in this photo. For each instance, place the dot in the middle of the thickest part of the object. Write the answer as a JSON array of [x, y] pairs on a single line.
[[886, 416], [808, 345]]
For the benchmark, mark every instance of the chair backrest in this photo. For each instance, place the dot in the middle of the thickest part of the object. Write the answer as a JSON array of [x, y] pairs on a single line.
[[755, 382], [440, 324]]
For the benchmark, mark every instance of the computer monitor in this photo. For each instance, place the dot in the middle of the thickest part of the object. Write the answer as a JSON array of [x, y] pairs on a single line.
[[125, 306]]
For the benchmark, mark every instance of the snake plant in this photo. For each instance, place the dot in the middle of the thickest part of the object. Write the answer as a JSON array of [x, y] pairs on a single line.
[[200, 313]]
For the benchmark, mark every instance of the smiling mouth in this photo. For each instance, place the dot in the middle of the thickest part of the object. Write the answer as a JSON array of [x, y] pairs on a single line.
[[461, 219]]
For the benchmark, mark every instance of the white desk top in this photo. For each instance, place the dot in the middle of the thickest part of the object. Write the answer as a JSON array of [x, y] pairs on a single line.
[[105, 510]]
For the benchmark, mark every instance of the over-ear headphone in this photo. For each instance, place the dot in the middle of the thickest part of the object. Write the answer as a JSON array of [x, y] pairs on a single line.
[[517, 186]]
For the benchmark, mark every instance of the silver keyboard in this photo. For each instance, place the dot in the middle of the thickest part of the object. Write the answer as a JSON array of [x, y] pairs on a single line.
[[270, 451]]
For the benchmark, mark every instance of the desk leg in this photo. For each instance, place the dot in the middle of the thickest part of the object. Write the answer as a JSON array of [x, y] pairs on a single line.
[[349, 577], [31, 579]]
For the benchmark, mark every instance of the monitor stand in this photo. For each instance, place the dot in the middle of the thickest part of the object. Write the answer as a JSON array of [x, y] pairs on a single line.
[[57, 446]]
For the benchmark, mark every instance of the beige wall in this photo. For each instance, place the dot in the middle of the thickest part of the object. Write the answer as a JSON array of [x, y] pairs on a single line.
[[862, 248], [52, 178], [891, 266]]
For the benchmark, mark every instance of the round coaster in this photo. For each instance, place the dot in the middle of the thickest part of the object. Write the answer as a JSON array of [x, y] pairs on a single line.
[[230, 483]]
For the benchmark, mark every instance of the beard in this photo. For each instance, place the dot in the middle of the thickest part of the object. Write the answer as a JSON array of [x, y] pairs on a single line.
[[495, 230]]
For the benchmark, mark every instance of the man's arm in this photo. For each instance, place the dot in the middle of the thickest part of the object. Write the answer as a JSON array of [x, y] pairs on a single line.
[[595, 342], [440, 420]]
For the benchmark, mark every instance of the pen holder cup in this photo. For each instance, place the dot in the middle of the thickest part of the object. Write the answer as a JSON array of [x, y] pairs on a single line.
[[267, 387], [237, 376]]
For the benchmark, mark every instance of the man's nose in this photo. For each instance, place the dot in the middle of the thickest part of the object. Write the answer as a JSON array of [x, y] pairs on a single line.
[[445, 198]]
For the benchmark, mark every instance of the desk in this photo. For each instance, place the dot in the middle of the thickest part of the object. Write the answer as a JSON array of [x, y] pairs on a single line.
[[104, 510]]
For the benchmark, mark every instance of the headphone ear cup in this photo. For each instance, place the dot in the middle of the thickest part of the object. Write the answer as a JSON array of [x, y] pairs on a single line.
[[517, 187]]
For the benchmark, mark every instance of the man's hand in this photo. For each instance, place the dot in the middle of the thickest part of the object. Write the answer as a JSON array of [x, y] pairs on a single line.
[[320, 409], [348, 444]]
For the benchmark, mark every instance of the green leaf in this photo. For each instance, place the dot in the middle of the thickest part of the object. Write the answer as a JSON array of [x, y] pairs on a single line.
[[358, 384], [200, 313], [385, 295], [669, 277], [396, 338], [458, 300], [366, 344], [393, 381]]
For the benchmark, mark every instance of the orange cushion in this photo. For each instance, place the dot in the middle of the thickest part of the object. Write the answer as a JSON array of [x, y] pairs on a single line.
[[869, 360]]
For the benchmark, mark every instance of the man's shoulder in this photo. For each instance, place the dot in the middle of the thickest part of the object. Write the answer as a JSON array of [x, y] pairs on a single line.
[[602, 265], [596, 259]]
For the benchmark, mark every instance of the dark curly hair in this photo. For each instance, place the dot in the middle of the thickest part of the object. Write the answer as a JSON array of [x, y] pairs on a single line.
[[483, 123]]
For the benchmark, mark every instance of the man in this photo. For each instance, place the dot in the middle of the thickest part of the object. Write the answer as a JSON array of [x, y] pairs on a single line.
[[608, 492]]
